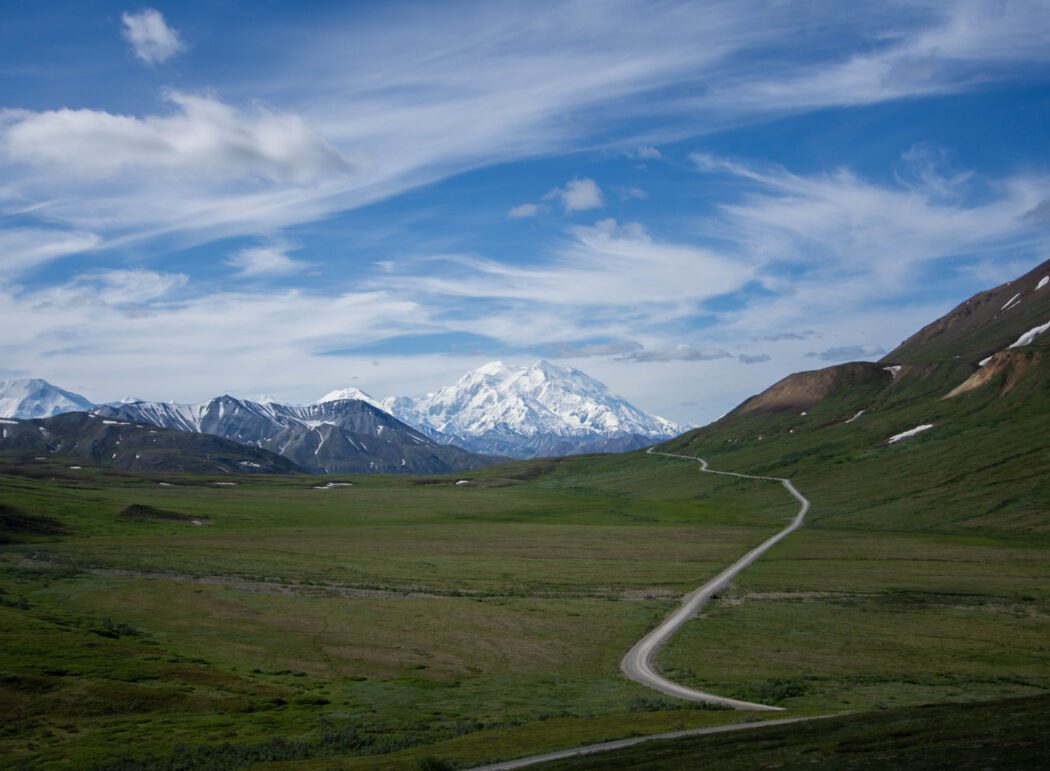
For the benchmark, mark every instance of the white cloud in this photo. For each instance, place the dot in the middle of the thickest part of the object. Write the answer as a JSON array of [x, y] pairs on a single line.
[[151, 38], [25, 248], [400, 97], [271, 260], [578, 195], [202, 137], [165, 337], [940, 49], [648, 154], [843, 226], [132, 292], [607, 264], [524, 210], [631, 193]]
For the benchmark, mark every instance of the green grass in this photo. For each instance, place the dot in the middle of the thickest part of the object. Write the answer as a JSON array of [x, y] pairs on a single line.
[[403, 612], [375, 625], [998, 734]]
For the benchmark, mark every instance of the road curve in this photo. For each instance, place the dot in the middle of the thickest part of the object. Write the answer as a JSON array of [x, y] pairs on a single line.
[[637, 664], [620, 744]]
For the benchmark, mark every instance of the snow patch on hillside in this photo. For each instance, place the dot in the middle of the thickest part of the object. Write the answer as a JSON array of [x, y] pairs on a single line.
[[1029, 337], [909, 433]]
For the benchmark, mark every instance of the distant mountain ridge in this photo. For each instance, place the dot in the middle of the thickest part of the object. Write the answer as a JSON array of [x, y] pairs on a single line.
[[343, 435], [497, 410], [525, 412], [95, 439]]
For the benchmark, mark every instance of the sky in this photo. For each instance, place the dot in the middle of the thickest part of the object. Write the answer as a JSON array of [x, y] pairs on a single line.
[[686, 200]]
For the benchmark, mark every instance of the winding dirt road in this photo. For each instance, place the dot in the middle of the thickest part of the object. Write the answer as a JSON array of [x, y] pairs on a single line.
[[620, 744], [637, 664]]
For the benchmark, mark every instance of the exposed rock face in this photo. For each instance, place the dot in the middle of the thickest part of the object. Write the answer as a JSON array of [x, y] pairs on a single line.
[[1006, 368], [803, 390]]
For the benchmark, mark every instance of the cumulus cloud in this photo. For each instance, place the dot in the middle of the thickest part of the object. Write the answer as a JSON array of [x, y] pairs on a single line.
[[152, 40], [524, 210], [271, 260], [578, 195], [847, 352], [757, 358], [647, 154], [201, 137]]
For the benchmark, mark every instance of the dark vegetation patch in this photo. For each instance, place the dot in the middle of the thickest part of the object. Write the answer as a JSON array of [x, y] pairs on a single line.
[[1000, 734], [17, 526], [138, 512], [341, 740]]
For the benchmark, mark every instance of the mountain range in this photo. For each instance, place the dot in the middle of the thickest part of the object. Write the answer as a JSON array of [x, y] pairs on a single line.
[[525, 412], [89, 438], [493, 412], [344, 435]]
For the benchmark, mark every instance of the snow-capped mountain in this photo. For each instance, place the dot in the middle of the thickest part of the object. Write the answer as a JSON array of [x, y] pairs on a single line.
[[526, 412], [339, 435], [36, 398], [341, 394]]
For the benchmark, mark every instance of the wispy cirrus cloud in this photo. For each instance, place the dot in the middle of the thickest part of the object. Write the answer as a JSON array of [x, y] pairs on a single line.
[[267, 260], [524, 210], [608, 264], [371, 105], [25, 248]]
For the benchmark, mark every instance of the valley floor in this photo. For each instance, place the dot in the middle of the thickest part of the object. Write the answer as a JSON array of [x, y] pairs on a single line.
[[377, 625]]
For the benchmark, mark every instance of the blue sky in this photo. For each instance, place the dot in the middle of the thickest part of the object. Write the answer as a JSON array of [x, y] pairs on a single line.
[[685, 200]]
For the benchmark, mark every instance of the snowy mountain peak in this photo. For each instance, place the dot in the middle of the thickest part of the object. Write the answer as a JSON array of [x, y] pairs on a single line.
[[516, 410], [36, 398], [492, 368], [349, 393]]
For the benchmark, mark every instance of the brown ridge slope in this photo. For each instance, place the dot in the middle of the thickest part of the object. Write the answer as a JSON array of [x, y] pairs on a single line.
[[983, 325], [803, 390]]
